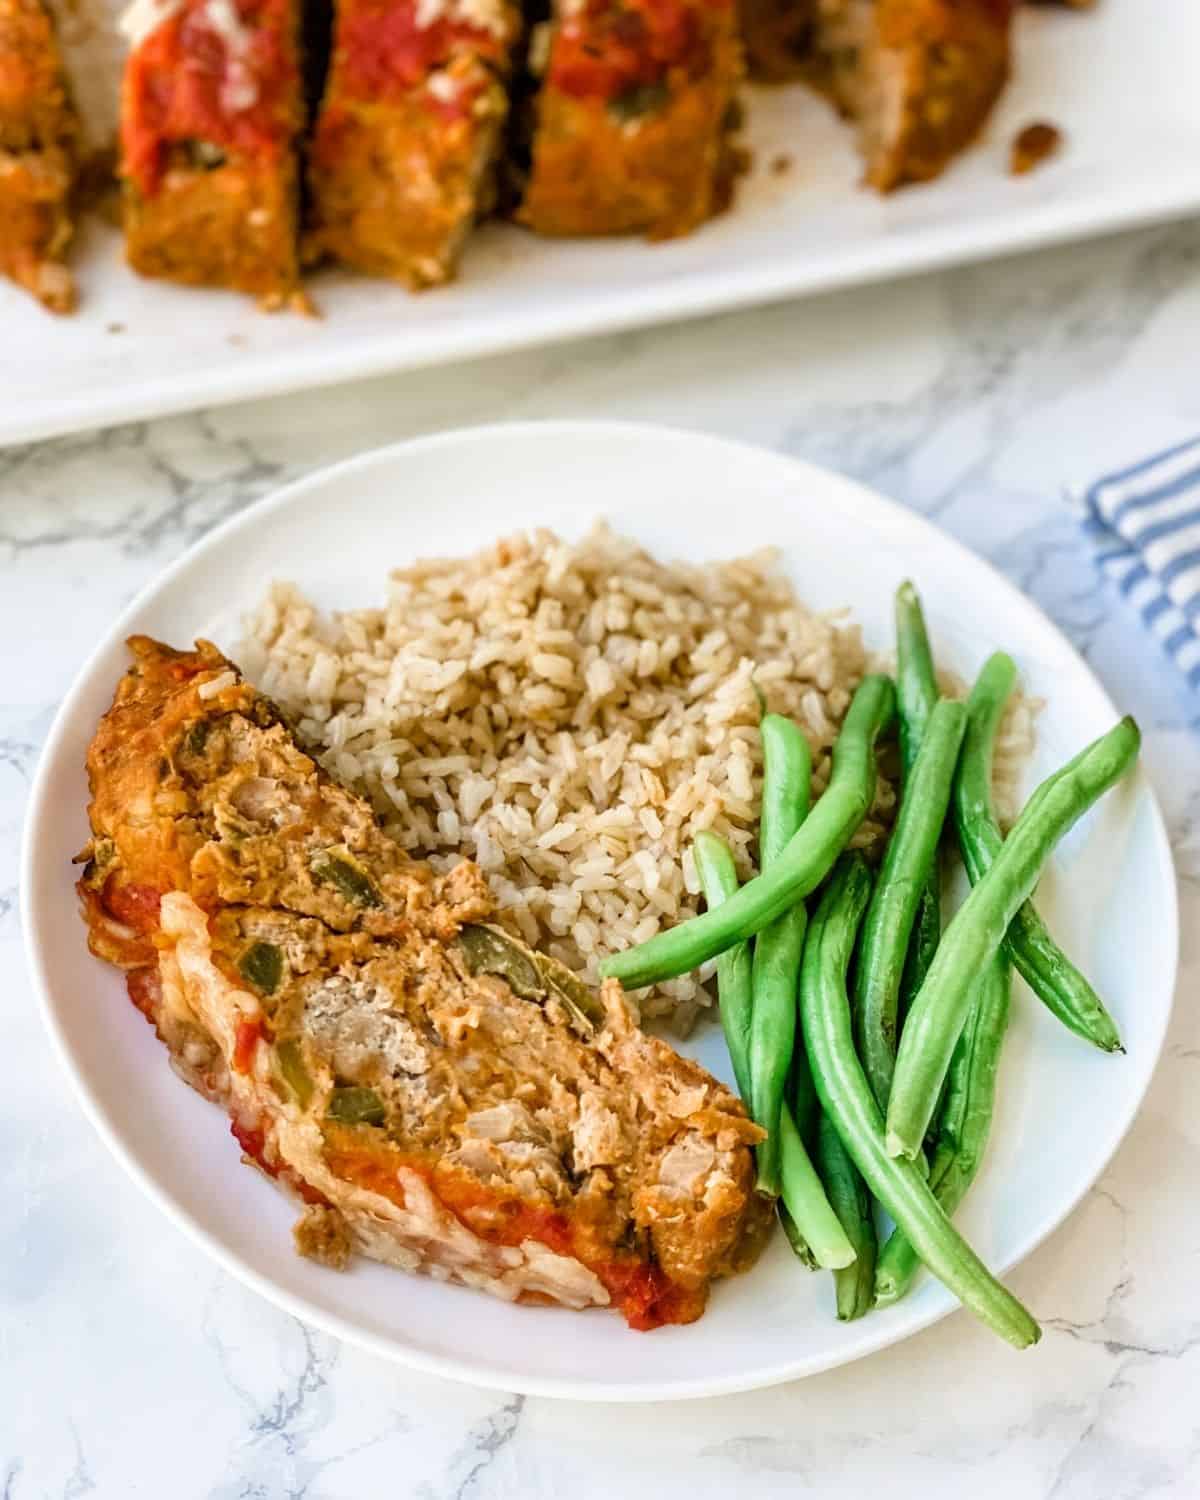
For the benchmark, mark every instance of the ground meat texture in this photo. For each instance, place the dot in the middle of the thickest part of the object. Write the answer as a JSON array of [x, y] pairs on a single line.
[[321, 1235], [39, 151], [443, 1100], [634, 119], [778, 37], [211, 112], [918, 76]]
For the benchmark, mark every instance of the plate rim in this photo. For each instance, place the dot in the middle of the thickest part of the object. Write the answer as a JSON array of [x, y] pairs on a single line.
[[461, 1368]]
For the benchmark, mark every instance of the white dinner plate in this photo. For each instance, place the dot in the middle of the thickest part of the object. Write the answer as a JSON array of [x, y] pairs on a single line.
[[1110, 896], [1116, 80]]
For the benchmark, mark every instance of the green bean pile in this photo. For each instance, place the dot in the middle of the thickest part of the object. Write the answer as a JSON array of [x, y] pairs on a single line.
[[864, 1039]]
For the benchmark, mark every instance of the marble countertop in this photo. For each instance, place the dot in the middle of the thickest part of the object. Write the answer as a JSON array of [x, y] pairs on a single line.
[[131, 1366]]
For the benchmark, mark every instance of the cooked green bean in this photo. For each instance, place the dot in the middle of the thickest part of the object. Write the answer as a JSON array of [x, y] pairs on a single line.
[[847, 1099], [916, 681], [854, 1284], [787, 785], [801, 867], [916, 693], [972, 938], [815, 1226], [964, 1124], [775, 973], [800, 1247], [718, 881], [926, 935], [819, 1221], [1039, 960], [911, 854], [783, 1162], [803, 1106], [775, 977], [801, 1094]]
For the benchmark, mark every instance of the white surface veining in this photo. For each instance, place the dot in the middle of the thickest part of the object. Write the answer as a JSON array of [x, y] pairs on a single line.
[[130, 1366]]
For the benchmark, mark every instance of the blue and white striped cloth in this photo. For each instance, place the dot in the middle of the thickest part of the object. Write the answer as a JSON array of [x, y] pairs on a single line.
[[1145, 521]]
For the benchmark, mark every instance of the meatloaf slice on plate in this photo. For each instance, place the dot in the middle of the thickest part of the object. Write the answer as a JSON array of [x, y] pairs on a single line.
[[438, 1096]]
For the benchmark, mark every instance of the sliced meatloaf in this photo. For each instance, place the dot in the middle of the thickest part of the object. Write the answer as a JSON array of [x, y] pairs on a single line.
[[212, 106], [404, 154], [634, 116], [438, 1096], [39, 140], [918, 76]]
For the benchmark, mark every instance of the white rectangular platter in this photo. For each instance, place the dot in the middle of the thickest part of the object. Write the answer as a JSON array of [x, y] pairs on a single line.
[[1120, 81]]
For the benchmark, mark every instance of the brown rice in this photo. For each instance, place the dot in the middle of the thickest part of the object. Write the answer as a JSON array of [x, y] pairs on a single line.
[[569, 716]]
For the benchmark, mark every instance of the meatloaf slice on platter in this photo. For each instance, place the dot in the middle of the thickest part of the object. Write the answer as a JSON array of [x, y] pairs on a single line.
[[634, 117], [918, 76], [404, 156], [39, 137], [212, 106]]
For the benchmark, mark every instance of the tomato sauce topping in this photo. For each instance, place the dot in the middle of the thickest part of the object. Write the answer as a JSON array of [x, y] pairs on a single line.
[[190, 82], [245, 1043], [614, 47], [647, 1295], [109, 936], [382, 51], [135, 905], [144, 988], [253, 1142], [642, 1291]]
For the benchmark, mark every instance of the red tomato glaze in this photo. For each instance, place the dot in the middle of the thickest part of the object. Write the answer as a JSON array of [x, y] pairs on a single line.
[[145, 990], [135, 905], [245, 1042], [612, 47], [641, 1291], [382, 52], [253, 1141], [184, 83]]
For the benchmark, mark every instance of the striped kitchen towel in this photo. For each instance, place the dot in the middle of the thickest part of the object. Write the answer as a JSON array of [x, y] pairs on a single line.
[[1145, 522]]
